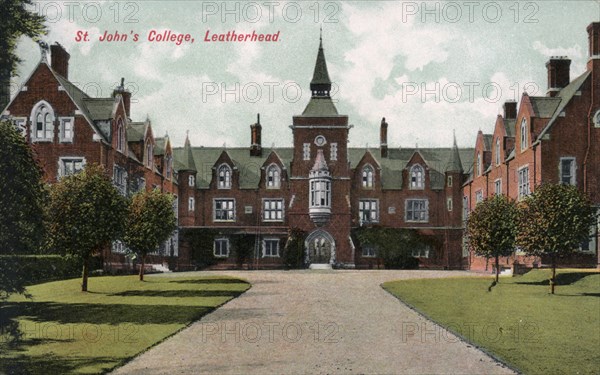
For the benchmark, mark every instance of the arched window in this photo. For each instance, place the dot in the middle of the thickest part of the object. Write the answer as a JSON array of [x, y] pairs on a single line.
[[524, 134], [367, 176], [479, 164], [149, 154], [273, 177], [224, 174], [120, 136], [417, 177], [43, 122], [498, 151]]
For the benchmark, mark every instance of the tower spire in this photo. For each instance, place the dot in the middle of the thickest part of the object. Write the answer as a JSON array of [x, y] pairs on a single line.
[[320, 86]]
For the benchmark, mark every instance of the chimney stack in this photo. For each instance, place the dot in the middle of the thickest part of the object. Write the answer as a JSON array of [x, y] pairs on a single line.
[[255, 131], [60, 60], [383, 138], [594, 43], [510, 110], [126, 95], [558, 74]]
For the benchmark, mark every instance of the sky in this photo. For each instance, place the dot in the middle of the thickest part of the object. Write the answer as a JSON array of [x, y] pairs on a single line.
[[430, 68]]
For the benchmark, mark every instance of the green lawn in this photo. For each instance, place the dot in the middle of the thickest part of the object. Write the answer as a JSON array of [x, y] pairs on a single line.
[[68, 331], [518, 321]]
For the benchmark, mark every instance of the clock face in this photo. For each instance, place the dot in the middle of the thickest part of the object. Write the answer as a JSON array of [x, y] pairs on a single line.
[[320, 140]]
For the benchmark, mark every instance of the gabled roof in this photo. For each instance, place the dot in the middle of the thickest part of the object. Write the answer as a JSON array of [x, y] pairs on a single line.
[[565, 95]]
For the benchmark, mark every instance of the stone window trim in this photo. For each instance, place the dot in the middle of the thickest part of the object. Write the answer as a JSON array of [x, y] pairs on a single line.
[[191, 204], [273, 177], [479, 164], [449, 204], [569, 161], [191, 180], [270, 247], [221, 247], [498, 186], [224, 210], [368, 251], [524, 187], [416, 210], [278, 211], [524, 135], [370, 208], [449, 181], [333, 151], [42, 122], [149, 153], [498, 158], [306, 151], [68, 165], [368, 176], [121, 141], [417, 177], [478, 196], [63, 136], [224, 176]]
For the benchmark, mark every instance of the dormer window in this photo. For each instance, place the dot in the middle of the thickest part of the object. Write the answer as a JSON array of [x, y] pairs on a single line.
[[224, 175], [43, 122], [273, 177], [417, 177], [524, 133], [367, 177]]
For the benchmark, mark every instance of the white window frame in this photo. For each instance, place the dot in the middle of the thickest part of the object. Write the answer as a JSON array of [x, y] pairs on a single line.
[[44, 109], [449, 181], [368, 251], [479, 164], [267, 212], [320, 192], [368, 176], [523, 183], [306, 151], [498, 186], [191, 204], [497, 150], [417, 182], [524, 135], [227, 209], [61, 164], [149, 154], [333, 151], [409, 208], [370, 208], [273, 177], [449, 204], [121, 136], [120, 179], [270, 240], [573, 170], [191, 180], [61, 129], [221, 240], [478, 196], [226, 173], [421, 252]]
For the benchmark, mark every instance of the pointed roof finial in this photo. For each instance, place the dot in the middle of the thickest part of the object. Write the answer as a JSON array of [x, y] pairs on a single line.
[[454, 136], [258, 118], [44, 50], [321, 35]]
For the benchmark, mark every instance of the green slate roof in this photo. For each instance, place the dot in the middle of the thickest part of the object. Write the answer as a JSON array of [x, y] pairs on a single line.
[[544, 106], [159, 146], [185, 160], [100, 108], [136, 131], [509, 126], [320, 107], [249, 166]]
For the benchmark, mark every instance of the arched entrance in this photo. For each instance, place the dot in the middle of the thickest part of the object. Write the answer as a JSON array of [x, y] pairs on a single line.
[[320, 248]]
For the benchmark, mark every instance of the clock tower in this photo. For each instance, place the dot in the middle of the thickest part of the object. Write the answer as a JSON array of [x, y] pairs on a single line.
[[320, 174]]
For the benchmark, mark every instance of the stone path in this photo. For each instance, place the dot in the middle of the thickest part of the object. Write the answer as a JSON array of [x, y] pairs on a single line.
[[315, 322]]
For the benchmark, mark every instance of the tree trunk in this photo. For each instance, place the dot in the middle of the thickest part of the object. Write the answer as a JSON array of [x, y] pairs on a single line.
[[497, 267], [142, 268], [84, 283], [553, 279]]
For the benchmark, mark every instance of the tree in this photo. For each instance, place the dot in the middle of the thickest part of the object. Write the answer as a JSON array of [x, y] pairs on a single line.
[[393, 245], [22, 196], [554, 221], [86, 214], [150, 222], [16, 22], [492, 227]]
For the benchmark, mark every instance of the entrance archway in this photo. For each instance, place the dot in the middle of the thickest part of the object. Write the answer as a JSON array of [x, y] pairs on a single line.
[[319, 248]]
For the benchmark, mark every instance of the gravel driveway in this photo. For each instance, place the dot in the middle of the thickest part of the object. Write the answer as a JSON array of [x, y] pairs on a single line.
[[315, 322]]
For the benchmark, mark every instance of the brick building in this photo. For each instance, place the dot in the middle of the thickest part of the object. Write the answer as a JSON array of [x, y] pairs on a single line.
[[547, 139], [319, 185], [68, 129]]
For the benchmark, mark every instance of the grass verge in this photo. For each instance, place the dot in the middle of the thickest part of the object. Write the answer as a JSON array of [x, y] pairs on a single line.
[[518, 322], [67, 331]]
